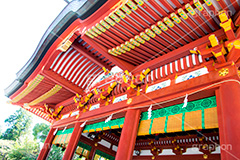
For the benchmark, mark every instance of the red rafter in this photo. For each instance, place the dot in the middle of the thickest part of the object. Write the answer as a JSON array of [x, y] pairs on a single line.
[[63, 82], [123, 65], [178, 53]]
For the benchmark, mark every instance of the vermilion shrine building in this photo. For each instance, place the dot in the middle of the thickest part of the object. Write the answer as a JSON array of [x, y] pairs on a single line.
[[178, 89]]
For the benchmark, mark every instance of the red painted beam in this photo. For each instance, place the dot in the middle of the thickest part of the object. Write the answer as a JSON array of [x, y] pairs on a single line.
[[238, 33], [234, 55], [158, 96], [111, 138], [67, 102], [61, 81], [99, 146], [176, 54], [179, 157], [123, 65], [181, 141], [81, 50]]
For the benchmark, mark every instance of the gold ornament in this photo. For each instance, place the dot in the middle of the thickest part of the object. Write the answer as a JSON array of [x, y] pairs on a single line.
[[205, 156], [223, 72], [129, 101]]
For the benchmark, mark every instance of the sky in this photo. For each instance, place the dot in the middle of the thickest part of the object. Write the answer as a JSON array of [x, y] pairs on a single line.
[[22, 25]]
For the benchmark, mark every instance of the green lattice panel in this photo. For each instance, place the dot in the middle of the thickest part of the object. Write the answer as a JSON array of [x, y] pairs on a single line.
[[67, 131], [201, 104], [111, 123], [177, 109]]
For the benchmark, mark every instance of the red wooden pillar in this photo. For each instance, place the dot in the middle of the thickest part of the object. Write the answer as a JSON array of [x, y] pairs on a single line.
[[71, 147], [128, 136], [228, 108], [47, 145]]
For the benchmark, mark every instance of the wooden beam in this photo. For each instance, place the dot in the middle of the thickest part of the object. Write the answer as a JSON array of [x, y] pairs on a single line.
[[81, 50], [99, 146], [111, 138], [175, 54], [236, 19], [62, 81], [177, 140], [238, 33], [158, 96], [67, 102], [122, 64]]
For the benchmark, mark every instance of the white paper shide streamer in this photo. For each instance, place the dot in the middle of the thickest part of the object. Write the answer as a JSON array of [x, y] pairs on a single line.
[[64, 129], [109, 118], [83, 124], [185, 101], [54, 133], [150, 112]]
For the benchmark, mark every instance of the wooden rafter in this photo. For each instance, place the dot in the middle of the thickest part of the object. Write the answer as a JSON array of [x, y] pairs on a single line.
[[61, 81], [81, 50], [123, 65], [175, 54]]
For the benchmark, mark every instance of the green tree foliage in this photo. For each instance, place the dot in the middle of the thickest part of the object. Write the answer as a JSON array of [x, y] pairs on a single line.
[[24, 149], [18, 124], [18, 144], [40, 131], [56, 153], [5, 146]]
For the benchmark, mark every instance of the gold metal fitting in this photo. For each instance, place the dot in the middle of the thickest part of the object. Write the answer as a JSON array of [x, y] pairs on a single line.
[[213, 40], [223, 72]]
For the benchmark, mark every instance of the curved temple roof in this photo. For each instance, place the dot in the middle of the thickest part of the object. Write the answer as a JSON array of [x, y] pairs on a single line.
[[156, 40], [68, 15]]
